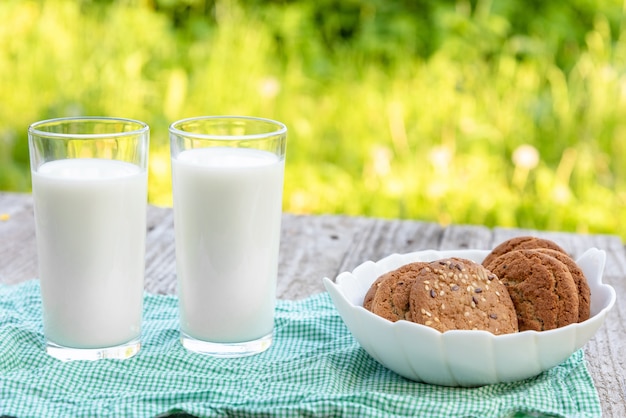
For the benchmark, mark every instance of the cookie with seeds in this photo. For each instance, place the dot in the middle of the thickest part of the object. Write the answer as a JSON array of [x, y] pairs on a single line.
[[390, 297], [369, 296], [459, 294], [541, 287], [584, 293], [520, 243]]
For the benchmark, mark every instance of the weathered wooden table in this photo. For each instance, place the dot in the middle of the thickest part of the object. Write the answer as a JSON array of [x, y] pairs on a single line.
[[314, 247]]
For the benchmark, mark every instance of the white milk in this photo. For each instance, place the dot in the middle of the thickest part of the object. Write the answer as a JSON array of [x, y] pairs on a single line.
[[91, 227], [227, 213]]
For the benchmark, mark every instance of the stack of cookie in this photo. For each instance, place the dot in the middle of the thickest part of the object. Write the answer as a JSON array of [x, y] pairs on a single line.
[[446, 294], [525, 283], [546, 285]]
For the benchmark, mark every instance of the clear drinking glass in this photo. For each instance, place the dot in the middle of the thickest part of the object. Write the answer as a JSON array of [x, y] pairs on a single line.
[[227, 179], [89, 178]]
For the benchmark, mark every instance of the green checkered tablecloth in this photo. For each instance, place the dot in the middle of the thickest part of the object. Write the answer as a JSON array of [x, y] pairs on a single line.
[[314, 368]]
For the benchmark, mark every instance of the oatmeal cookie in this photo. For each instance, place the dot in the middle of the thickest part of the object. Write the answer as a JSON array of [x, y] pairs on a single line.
[[584, 293], [541, 287], [520, 243], [458, 294], [390, 299], [369, 296]]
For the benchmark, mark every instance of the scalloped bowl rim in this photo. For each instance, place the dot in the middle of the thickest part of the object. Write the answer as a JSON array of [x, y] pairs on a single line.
[[462, 357]]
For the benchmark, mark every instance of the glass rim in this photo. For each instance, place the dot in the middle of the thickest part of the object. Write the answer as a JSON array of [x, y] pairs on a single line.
[[281, 128], [34, 128]]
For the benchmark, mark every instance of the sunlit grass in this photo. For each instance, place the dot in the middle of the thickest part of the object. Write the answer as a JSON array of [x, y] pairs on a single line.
[[455, 138]]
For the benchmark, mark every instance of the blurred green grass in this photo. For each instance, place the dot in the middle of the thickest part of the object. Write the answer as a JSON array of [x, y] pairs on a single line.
[[480, 112]]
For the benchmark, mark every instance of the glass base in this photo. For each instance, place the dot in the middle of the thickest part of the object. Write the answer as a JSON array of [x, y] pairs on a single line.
[[227, 350], [119, 352]]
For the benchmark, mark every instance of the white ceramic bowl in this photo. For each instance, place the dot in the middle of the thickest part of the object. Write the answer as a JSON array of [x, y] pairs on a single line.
[[462, 358]]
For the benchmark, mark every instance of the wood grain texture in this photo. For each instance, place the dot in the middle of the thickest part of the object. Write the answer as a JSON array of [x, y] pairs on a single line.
[[313, 247]]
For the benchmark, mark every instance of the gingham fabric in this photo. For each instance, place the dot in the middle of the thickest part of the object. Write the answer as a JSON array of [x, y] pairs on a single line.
[[314, 368]]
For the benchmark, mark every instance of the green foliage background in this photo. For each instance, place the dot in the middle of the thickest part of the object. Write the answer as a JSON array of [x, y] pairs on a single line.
[[508, 113]]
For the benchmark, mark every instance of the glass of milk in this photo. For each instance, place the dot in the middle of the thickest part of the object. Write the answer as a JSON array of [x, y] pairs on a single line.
[[89, 178], [227, 180]]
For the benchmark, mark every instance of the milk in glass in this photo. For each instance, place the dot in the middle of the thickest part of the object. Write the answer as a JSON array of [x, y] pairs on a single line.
[[91, 217], [227, 209]]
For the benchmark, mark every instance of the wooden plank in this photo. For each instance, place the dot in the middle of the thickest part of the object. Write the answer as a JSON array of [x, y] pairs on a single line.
[[160, 251], [18, 253]]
